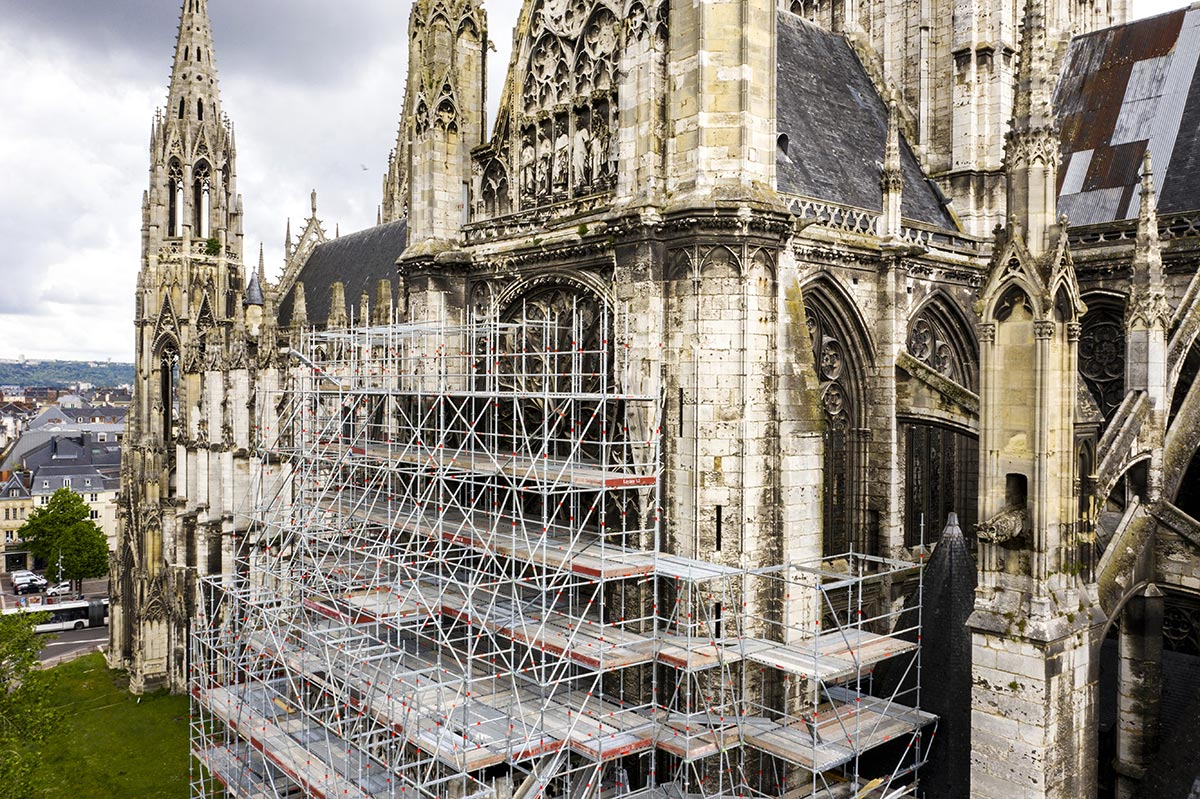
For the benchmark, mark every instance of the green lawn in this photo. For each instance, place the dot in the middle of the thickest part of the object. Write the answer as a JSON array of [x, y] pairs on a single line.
[[111, 745]]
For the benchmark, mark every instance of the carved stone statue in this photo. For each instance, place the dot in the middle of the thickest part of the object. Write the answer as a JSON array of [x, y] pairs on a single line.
[[528, 168], [1006, 527]]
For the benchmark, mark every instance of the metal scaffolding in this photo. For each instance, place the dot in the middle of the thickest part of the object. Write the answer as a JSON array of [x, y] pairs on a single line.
[[456, 589]]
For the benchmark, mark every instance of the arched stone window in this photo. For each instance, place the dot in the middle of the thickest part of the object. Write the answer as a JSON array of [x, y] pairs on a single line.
[[200, 110], [938, 337], [201, 199], [174, 198], [840, 354], [168, 410], [1102, 352], [182, 107]]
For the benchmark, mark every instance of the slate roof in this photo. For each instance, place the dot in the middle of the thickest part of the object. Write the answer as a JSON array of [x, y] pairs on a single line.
[[360, 260], [16, 482], [1124, 90], [836, 125], [32, 440], [58, 415]]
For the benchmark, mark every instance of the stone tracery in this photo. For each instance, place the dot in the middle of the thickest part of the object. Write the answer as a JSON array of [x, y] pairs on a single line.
[[562, 145]]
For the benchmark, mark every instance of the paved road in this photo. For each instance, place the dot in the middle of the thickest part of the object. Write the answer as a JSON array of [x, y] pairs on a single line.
[[69, 643]]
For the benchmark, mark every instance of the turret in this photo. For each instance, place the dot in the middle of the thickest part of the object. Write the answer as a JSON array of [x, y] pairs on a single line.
[[443, 121]]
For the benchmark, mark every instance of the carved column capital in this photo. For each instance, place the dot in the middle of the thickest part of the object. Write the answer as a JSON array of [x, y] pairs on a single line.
[[987, 333], [1043, 329]]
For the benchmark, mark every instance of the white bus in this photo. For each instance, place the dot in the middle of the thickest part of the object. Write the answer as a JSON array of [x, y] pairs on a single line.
[[69, 615]]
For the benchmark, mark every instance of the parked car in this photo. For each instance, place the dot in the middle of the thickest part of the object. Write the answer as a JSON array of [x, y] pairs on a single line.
[[31, 585], [59, 589]]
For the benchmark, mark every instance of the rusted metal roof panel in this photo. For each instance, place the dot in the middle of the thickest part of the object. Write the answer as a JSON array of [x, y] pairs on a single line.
[[1123, 91]]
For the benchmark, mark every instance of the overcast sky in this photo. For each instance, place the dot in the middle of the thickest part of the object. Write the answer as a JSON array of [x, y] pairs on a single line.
[[314, 90]]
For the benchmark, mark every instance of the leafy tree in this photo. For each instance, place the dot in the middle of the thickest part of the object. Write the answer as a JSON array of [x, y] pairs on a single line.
[[61, 532], [26, 716]]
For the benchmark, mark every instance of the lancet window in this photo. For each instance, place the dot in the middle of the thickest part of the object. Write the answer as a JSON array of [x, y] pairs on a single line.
[[838, 357], [1102, 353], [174, 198], [201, 199]]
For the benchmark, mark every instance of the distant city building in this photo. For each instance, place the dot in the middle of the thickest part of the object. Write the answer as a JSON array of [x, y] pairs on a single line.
[[16, 502], [14, 418], [87, 463]]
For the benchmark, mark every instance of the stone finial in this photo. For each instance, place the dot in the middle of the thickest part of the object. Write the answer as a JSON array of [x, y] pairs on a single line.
[[1147, 305], [314, 202], [337, 306], [1147, 256], [299, 310], [891, 178], [1031, 152], [287, 240], [383, 303], [364, 306], [262, 265], [1034, 89]]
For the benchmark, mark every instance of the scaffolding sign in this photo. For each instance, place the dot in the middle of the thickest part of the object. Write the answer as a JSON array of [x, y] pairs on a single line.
[[454, 588]]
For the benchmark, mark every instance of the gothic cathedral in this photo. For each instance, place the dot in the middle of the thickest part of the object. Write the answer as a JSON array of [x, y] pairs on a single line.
[[892, 264]]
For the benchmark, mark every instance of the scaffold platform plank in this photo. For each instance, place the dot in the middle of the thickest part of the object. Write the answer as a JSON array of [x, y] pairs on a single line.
[[691, 740], [830, 657], [240, 773], [548, 545], [294, 759], [518, 466], [838, 731]]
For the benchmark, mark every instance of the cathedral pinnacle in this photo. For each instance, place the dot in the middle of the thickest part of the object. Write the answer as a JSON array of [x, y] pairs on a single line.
[[1147, 297], [1148, 252], [1032, 146], [193, 93], [891, 178]]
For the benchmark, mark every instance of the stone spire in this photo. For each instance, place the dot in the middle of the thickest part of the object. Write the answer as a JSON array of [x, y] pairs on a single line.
[[891, 179], [193, 191], [287, 240], [193, 90], [1032, 147]]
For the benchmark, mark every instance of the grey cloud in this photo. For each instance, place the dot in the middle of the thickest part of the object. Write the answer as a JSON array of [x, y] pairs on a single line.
[[284, 41]]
